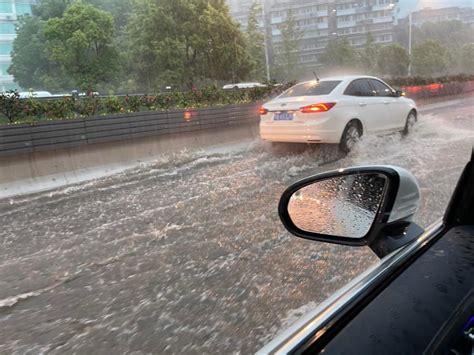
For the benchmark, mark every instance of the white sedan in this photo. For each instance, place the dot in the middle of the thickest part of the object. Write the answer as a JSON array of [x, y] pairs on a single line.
[[336, 110]]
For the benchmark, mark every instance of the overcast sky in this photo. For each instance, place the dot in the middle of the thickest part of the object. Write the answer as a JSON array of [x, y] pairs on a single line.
[[409, 5]]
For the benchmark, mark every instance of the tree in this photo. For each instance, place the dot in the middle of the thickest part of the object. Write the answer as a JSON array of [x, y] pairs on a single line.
[[429, 58], [185, 41], [81, 41], [119, 9], [255, 44], [31, 65], [467, 58], [339, 53], [47, 9], [368, 55], [287, 58], [225, 45], [451, 35], [392, 60]]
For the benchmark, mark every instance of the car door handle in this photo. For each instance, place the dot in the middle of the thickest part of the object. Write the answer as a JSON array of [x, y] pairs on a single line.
[[386, 102], [362, 104]]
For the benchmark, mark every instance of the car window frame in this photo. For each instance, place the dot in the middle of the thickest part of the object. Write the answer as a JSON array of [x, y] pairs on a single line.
[[392, 91], [359, 79]]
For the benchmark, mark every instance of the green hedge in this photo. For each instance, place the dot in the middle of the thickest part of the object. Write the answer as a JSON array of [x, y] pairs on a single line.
[[16, 110], [419, 80]]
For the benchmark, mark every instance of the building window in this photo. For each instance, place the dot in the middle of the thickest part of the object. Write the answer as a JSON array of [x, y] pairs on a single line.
[[4, 69], [7, 28], [5, 48], [6, 7], [23, 9]]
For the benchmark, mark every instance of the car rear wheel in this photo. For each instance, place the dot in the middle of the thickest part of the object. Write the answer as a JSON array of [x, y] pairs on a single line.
[[350, 136], [410, 123]]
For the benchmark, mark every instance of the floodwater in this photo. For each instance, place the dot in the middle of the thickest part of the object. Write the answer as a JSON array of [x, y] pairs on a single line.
[[187, 254]]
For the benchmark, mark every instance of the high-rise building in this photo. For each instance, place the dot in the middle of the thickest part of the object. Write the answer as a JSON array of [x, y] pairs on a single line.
[[239, 10], [453, 13], [10, 11], [321, 21]]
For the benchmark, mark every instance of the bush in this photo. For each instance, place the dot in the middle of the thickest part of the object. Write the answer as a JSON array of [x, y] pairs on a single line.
[[11, 106], [419, 80], [34, 109]]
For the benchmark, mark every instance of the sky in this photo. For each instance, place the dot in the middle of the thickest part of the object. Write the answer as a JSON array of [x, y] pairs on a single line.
[[410, 5]]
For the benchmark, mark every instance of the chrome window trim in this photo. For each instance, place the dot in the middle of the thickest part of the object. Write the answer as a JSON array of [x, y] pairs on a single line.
[[312, 323]]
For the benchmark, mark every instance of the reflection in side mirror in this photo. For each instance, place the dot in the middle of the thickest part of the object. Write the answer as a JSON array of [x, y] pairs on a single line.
[[364, 205], [341, 206]]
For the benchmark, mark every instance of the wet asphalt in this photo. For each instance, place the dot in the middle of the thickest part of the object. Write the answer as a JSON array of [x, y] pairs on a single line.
[[187, 254]]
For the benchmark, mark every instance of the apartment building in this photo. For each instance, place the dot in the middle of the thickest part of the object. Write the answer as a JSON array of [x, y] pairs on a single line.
[[10, 11], [465, 15], [321, 21]]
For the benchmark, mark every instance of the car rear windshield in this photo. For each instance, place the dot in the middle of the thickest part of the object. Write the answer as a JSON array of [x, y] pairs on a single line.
[[312, 88]]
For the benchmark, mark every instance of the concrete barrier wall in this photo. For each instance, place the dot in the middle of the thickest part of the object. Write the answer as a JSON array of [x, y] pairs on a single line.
[[52, 154], [53, 135]]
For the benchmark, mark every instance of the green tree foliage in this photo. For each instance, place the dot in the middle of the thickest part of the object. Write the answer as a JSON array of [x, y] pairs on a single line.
[[185, 41], [119, 9], [31, 65], [287, 50], [367, 56], [429, 58], [47, 9], [255, 44], [392, 60], [81, 41], [339, 53], [467, 58], [451, 35], [10, 105]]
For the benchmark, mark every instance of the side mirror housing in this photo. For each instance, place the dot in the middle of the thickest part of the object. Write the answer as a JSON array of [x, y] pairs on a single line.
[[369, 205], [399, 93]]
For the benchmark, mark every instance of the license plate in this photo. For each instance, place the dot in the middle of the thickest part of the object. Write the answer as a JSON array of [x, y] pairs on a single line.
[[283, 116]]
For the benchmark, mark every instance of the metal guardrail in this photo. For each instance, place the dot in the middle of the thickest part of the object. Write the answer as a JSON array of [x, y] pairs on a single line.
[[41, 136]]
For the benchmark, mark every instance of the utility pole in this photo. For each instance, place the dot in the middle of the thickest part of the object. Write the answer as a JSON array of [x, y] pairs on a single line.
[[410, 25], [265, 39], [332, 19], [409, 43]]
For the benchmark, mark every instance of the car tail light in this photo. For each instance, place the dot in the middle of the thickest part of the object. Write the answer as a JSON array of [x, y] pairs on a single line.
[[262, 110], [318, 107]]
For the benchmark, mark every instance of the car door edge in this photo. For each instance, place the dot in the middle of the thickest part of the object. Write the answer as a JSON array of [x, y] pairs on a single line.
[[315, 325]]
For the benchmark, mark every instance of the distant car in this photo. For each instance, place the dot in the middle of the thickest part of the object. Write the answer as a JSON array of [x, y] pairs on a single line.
[[35, 94], [243, 86], [336, 110]]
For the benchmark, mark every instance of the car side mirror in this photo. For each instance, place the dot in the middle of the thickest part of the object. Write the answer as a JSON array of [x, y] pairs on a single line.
[[358, 206], [399, 93]]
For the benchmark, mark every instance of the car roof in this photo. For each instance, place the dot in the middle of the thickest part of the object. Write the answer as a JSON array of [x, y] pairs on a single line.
[[344, 78]]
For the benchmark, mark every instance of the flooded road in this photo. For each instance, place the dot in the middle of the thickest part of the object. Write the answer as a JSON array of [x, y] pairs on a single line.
[[187, 255]]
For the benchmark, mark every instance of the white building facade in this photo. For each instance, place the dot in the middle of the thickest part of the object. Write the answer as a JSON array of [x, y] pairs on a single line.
[[321, 21], [10, 12]]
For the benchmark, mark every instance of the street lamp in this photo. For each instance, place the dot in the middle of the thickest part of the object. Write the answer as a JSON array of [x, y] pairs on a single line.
[[265, 40], [409, 43], [410, 24]]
